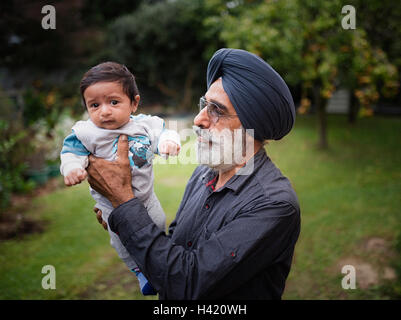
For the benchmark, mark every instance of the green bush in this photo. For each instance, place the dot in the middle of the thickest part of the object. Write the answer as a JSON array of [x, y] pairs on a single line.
[[11, 168]]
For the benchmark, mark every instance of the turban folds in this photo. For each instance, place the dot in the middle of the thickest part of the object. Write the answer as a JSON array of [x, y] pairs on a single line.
[[259, 95]]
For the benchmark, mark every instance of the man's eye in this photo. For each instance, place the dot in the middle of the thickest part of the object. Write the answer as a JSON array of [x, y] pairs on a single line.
[[114, 102], [216, 110]]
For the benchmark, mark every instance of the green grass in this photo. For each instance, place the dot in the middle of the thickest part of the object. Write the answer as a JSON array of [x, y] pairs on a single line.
[[348, 194]]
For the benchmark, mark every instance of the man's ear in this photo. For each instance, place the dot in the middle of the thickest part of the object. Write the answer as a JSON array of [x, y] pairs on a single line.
[[135, 103]]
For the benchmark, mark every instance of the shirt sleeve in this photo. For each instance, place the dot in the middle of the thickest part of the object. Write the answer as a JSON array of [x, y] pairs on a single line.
[[73, 155], [168, 135], [155, 126], [159, 131], [221, 262], [73, 145]]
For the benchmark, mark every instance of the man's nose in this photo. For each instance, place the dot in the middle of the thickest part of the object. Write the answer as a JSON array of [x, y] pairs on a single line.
[[202, 119]]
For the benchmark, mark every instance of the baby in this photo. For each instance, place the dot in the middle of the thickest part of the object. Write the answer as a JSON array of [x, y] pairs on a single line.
[[110, 95]]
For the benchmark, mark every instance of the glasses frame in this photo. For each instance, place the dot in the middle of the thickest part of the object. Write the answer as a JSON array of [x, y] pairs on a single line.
[[212, 113]]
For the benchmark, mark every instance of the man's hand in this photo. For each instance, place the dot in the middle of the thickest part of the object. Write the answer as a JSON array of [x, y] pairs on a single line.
[[112, 179], [74, 177]]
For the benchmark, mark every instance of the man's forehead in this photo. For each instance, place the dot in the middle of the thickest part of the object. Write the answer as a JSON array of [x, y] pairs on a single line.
[[216, 93]]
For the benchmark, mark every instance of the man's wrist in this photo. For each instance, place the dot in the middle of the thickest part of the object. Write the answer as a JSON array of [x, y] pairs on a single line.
[[127, 218], [122, 199]]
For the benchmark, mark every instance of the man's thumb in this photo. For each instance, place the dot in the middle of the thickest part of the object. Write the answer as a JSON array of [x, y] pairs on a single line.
[[122, 147]]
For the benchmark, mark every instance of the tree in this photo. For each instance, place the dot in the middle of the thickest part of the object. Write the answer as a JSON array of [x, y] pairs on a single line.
[[25, 44], [366, 71], [381, 21], [305, 42], [163, 44], [100, 12]]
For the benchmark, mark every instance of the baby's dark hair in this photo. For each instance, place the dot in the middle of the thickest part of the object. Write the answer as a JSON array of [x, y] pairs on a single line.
[[110, 72]]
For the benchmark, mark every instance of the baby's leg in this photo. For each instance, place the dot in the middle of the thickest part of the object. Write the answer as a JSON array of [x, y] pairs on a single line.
[[156, 212], [105, 206], [115, 240]]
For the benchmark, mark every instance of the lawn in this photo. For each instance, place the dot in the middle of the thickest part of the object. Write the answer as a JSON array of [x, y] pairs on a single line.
[[350, 197]]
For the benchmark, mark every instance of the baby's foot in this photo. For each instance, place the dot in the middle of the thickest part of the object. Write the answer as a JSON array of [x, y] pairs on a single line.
[[144, 284]]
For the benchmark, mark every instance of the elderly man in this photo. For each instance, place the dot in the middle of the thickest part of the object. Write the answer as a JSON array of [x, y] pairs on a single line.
[[234, 233]]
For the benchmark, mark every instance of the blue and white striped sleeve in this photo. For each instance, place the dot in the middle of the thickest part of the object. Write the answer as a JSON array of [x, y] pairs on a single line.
[[73, 145], [73, 155]]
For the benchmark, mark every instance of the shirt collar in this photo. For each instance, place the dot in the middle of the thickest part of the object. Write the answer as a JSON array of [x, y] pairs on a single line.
[[238, 180]]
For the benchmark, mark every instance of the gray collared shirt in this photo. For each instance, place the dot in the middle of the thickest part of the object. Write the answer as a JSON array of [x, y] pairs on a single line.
[[233, 243]]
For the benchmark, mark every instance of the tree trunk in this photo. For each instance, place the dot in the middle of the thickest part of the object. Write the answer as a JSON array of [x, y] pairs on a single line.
[[353, 108], [320, 104], [186, 100], [166, 90]]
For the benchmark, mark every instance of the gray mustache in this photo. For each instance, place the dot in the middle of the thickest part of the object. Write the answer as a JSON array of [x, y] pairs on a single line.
[[204, 133], [197, 130], [209, 136]]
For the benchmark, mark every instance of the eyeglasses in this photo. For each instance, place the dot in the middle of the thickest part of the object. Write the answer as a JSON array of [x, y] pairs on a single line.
[[214, 111]]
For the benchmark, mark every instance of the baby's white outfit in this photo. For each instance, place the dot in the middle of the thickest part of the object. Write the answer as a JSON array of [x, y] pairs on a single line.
[[145, 133]]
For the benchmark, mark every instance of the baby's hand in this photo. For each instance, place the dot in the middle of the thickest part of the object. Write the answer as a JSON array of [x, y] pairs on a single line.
[[75, 177], [169, 147]]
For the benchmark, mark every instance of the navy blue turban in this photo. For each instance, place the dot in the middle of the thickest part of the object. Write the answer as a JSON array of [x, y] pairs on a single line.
[[259, 95]]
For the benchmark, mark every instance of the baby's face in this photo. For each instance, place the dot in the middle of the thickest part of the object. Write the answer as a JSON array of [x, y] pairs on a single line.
[[108, 105]]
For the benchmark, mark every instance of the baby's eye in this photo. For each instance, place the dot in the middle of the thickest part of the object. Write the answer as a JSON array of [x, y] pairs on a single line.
[[94, 105], [114, 102]]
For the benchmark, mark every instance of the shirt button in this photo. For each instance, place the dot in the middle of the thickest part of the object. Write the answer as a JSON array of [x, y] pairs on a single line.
[[189, 243]]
